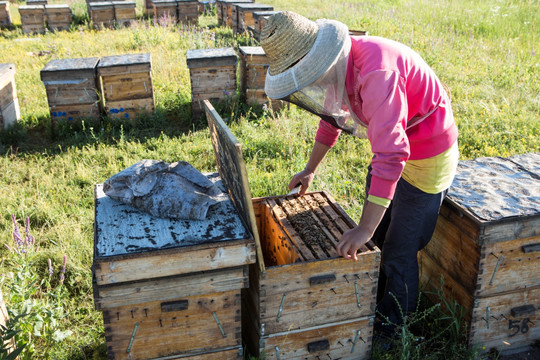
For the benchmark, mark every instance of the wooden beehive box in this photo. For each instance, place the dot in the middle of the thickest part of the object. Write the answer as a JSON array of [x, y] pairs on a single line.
[[58, 16], [245, 15], [213, 76], [486, 246], [304, 301], [5, 15], [9, 104], [166, 11], [126, 85], [227, 11], [72, 91], [170, 288], [259, 20], [102, 14], [188, 11], [124, 12], [32, 18]]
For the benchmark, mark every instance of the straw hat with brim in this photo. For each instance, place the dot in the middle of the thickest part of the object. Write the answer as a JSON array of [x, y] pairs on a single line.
[[299, 51]]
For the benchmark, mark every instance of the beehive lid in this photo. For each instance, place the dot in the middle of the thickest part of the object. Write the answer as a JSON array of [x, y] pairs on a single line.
[[57, 7], [235, 1], [124, 4], [494, 189], [159, 3], [69, 69], [253, 6], [252, 50], [121, 229], [125, 60], [6, 72], [211, 57], [101, 5], [4, 4], [257, 14], [187, 1], [31, 7]]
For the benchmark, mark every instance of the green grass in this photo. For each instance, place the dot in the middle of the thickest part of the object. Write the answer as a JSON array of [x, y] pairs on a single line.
[[485, 51]]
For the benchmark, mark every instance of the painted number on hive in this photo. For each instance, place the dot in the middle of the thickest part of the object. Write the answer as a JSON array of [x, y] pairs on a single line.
[[518, 326]]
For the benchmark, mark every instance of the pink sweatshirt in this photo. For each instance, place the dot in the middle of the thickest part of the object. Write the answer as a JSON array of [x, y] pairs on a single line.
[[391, 87]]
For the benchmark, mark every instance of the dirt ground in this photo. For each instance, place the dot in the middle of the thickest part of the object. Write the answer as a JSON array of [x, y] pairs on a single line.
[[533, 353]]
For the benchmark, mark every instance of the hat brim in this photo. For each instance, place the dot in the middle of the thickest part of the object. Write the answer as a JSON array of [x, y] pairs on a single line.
[[331, 39]]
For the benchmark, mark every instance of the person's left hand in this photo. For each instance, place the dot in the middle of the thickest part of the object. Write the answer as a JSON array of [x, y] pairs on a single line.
[[351, 241]]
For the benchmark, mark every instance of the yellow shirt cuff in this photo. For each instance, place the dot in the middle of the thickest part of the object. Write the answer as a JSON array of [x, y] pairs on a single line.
[[379, 201]]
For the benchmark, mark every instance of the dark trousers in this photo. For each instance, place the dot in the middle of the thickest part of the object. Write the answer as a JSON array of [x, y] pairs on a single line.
[[406, 228]]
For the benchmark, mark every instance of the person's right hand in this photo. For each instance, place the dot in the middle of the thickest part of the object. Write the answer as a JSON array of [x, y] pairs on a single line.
[[305, 178]]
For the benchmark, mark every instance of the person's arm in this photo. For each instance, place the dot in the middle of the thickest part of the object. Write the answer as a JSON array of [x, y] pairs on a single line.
[[305, 177], [355, 238]]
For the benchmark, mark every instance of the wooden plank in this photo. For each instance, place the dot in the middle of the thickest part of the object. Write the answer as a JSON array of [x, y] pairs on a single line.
[[210, 80], [8, 93], [10, 114], [232, 170], [317, 292], [72, 112], [5, 15], [504, 266], [235, 353], [127, 86], [280, 214], [350, 340], [212, 58], [32, 14], [180, 327], [276, 244], [169, 288], [71, 92], [129, 109], [69, 70], [494, 324]]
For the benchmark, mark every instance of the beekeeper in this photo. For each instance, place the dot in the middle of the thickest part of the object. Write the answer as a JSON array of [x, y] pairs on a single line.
[[377, 88]]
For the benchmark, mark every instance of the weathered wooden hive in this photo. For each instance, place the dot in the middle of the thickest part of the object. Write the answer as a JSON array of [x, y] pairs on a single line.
[[486, 246], [126, 85], [124, 12], [244, 13], [32, 18], [72, 90], [5, 15], [9, 104], [303, 300], [253, 68], [58, 16], [170, 289], [227, 11], [259, 20], [166, 11], [188, 11], [213, 76], [102, 14]]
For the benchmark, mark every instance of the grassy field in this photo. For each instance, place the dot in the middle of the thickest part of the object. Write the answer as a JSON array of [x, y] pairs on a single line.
[[485, 51]]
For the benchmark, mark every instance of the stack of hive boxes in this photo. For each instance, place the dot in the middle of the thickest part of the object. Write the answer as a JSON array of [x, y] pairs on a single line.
[[242, 15], [124, 12], [486, 248], [166, 11], [188, 11], [9, 104], [303, 301], [126, 85], [5, 15], [253, 68], [213, 76], [58, 16], [259, 20], [72, 90], [226, 10], [170, 288], [32, 18], [101, 14]]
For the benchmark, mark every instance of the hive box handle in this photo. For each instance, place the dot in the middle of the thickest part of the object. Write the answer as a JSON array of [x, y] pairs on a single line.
[[174, 306], [318, 346], [522, 310], [530, 248], [321, 279]]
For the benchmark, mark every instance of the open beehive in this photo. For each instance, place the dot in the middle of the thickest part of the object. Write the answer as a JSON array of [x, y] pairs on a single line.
[[304, 301], [244, 15], [485, 252]]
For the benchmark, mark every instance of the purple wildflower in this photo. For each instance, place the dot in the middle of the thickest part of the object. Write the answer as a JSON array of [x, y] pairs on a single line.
[[28, 239], [16, 234]]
